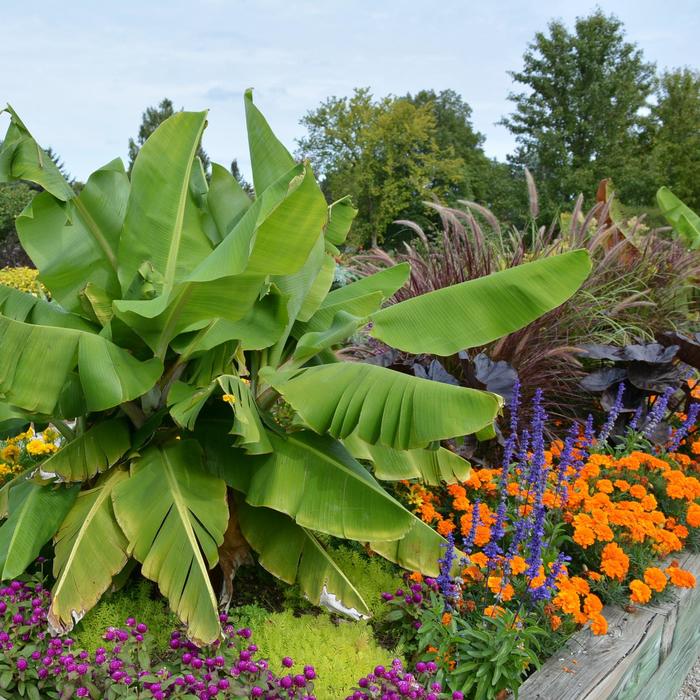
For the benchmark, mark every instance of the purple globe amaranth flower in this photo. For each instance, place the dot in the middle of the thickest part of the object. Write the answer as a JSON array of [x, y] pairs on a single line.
[[685, 427]]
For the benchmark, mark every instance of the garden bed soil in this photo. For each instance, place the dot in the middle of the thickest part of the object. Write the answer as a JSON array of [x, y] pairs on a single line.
[[646, 654]]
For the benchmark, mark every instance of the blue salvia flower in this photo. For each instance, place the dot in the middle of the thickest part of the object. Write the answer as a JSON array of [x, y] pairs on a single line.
[[612, 415], [566, 460], [493, 549], [537, 481], [471, 535], [448, 587], [634, 423], [544, 592], [658, 411], [685, 427]]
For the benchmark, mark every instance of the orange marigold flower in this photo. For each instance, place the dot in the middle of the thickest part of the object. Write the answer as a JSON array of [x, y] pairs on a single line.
[[592, 605], [649, 502], [494, 583], [693, 515], [427, 513], [416, 576], [555, 622], [641, 593], [568, 601], [614, 562], [478, 559], [517, 565], [599, 625], [456, 491], [604, 533], [638, 491], [604, 485], [461, 503], [695, 447], [483, 535], [584, 536], [655, 578], [445, 527], [493, 611], [681, 577], [622, 485], [594, 576], [579, 585], [446, 618], [507, 592]]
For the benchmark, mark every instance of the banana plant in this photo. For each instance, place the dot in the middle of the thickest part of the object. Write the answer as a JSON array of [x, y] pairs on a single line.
[[187, 321]]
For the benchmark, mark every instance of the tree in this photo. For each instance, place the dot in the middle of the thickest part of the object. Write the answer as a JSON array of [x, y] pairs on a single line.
[[170, 350], [150, 120], [384, 153], [245, 185], [675, 134], [581, 116], [454, 133]]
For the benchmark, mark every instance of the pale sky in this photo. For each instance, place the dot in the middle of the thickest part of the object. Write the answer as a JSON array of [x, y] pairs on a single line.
[[80, 73]]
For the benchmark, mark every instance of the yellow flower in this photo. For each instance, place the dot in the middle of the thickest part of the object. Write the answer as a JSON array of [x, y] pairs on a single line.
[[10, 453], [38, 447], [229, 398]]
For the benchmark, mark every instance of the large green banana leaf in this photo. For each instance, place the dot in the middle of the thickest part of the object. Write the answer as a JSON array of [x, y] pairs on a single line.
[[35, 513], [89, 549], [340, 217], [359, 298], [260, 328], [418, 550], [314, 480], [269, 158], [22, 159], [75, 243], [91, 453], [108, 375], [384, 406], [432, 466], [294, 554], [683, 219], [162, 224], [226, 201], [479, 311], [174, 515], [252, 437]]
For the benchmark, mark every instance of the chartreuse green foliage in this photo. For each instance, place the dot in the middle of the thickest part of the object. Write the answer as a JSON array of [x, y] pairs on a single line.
[[337, 650], [181, 310]]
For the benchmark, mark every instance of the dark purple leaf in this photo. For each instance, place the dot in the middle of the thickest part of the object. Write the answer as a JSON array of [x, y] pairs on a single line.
[[603, 378]]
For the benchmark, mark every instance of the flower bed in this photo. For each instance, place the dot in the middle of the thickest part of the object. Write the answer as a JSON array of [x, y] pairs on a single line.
[[549, 538]]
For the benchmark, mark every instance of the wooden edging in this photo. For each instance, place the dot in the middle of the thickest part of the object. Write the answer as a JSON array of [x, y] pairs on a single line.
[[646, 654]]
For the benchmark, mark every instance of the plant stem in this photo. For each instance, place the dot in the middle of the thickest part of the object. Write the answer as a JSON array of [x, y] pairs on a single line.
[[64, 429]]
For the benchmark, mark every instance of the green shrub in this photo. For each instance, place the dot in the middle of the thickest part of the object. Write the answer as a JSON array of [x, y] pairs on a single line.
[[339, 652], [13, 198], [137, 600]]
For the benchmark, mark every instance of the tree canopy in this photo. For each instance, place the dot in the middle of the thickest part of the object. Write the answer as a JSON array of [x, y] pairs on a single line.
[[581, 115], [386, 153]]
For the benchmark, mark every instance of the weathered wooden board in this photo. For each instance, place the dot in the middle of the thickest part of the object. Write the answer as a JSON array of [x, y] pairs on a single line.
[[646, 654]]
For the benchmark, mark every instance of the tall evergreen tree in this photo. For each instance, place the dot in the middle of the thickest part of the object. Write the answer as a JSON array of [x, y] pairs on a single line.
[[581, 115], [150, 120]]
